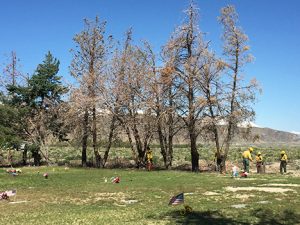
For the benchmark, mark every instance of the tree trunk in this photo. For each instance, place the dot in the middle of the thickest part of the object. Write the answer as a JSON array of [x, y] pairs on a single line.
[[84, 138], [227, 146], [192, 127], [217, 143], [171, 134], [131, 144], [166, 149], [24, 157], [36, 155], [42, 136], [94, 128], [231, 124], [110, 137], [162, 142], [194, 153], [170, 150], [139, 146], [36, 159]]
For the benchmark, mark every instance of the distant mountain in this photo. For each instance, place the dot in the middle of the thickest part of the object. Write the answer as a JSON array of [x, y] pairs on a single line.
[[261, 134], [268, 135], [246, 135]]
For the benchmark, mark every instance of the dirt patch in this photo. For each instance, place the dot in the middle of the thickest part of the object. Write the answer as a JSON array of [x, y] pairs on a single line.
[[281, 185], [130, 201], [264, 189], [117, 197], [243, 197], [263, 202], [210, 193], [242, 178], [239, 206], [116, 204], [18, 202], [76, 201], [296, 173], [273, 167]]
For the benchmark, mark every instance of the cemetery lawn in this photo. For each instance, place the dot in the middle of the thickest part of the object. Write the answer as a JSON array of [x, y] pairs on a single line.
[[81, 196]]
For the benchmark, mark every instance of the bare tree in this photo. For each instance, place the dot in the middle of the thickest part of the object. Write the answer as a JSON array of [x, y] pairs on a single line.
[[88, 66], [11, 69], [168, 122], [11, 72], [131, 97], [164, 102], [187, 49], [212, 88], [238, 96], [113, 93], [160, 88]]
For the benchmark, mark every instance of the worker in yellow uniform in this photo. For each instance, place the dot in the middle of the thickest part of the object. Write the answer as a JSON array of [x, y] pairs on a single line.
[[149, 157], [259, 162], [247, 158], [283, 162]]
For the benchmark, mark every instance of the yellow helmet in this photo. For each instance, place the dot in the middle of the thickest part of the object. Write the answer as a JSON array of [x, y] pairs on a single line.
[[282, 152], [251, 149], [259, 153]]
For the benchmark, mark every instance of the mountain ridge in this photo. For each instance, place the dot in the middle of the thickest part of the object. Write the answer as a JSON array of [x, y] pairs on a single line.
[[270, 135]]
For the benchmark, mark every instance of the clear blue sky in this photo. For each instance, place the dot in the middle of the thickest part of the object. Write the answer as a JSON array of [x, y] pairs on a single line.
[[33, 27]]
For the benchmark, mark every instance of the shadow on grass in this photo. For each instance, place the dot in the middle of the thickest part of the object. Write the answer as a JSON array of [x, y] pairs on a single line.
[[267, 216], [203, 218], [263, 217]]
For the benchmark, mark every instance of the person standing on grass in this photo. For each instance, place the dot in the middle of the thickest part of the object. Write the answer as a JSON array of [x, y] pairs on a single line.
[[283, 162], [247, 158], [259, 162], [149, 157]]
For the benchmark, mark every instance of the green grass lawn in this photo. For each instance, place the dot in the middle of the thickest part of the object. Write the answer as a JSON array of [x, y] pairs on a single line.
[[80, 196]]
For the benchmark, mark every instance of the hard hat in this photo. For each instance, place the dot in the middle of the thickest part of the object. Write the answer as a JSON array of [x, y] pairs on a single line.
[[282, 152], [251, 149], [259, 153]]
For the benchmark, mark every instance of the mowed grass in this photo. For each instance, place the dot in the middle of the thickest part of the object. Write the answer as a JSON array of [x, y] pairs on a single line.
[[80, 196]]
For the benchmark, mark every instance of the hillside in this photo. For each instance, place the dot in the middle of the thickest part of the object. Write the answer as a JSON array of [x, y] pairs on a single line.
[[268, 135], [256, 135]]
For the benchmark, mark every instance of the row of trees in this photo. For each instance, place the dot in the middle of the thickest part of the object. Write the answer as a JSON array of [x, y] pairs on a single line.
[[137, 93], [31, 108]]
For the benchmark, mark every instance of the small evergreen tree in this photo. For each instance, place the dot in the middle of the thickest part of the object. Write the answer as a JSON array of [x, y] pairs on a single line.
[[41, 97]]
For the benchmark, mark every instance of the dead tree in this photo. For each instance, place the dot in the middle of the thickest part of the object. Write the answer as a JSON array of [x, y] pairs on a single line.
[[131, 97], [186, 49], [88, 65], [238, 96]]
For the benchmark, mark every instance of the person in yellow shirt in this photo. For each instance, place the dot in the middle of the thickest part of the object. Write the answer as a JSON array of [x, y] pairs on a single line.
[[149, 157], [259, 162], [247, 158], [283, 162]]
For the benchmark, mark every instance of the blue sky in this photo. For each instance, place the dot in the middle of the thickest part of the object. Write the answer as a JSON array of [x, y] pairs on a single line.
[[33, 27]]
